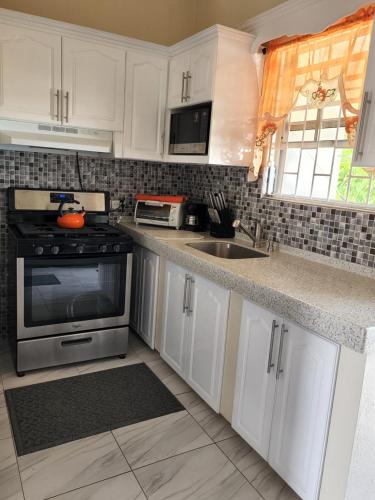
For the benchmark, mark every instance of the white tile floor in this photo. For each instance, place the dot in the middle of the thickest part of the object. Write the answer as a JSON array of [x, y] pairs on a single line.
[[189, 455]]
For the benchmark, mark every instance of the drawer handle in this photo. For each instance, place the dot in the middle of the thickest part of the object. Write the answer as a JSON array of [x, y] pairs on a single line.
[[86, 340], [270, 364], [279, 370]]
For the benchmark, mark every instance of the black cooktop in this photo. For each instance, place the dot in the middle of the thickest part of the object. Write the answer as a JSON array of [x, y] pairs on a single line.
[[51, 230]]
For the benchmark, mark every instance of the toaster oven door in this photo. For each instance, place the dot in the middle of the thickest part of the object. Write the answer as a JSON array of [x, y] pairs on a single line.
[[153, 211]]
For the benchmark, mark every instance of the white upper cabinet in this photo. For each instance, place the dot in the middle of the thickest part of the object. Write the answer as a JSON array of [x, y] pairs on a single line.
[[178, 66], [302, 409], [93, 84], [201, 73], [145, 100], [30, 74], [208, 325], [217, 66], [256, 381], [364, 151], [191, 75]]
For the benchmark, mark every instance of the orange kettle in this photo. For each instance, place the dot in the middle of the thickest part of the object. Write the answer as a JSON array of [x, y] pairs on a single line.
[[71, 219]]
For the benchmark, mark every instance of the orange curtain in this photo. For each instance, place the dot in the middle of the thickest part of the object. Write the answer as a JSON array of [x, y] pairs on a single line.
[[320, 67]]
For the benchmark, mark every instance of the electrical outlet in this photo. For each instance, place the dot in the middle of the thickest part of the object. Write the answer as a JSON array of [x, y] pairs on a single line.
[[115, 204]]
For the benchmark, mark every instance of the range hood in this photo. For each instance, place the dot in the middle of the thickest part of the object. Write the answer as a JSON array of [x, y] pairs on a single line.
[[13, 133]]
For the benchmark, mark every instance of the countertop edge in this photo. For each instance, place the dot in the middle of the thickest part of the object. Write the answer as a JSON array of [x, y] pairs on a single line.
[[311, 317]]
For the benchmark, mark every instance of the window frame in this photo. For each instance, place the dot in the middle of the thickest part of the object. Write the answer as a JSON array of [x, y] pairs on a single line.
[[278, 154]]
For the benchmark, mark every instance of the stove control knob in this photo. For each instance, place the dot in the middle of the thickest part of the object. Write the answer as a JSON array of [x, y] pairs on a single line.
[[55, 250], [80, 249], [38, 250], [102, 248], [116, 247]]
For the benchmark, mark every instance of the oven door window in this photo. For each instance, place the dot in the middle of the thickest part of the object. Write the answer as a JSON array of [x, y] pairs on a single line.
[[65, 290]]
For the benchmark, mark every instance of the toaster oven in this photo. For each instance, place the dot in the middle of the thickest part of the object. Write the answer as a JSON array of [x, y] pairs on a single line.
[[165, 211]]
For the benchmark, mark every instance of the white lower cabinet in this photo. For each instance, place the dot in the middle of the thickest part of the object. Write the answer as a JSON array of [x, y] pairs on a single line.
[[194, 331], [283, 397], [144, 293], [255, 384], [175, 319]]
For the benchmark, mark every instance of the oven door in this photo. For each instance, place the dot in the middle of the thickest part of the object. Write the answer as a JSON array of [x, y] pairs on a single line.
[[72, 294]]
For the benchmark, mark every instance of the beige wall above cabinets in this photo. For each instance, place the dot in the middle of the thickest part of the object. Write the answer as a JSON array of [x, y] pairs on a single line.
[[160, 21], [230, 13]]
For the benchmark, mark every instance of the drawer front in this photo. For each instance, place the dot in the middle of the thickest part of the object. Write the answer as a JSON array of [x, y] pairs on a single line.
[[65, 349]]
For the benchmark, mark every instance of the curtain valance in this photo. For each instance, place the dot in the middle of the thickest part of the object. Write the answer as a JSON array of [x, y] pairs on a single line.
[[322, 67]]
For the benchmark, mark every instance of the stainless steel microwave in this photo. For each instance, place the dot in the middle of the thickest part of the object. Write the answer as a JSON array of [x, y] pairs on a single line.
[[190, 130]]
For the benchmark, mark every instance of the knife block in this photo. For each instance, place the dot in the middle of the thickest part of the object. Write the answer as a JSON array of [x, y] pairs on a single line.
[[225, 229]]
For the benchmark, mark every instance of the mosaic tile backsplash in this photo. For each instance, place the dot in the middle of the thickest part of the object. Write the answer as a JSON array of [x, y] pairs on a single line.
[[344, 234]]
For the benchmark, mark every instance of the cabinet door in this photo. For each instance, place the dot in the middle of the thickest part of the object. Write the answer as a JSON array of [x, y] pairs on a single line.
[[93, 85], [302, 409], [173, 345], [145, 97], [255, 379], [364, 151], [178, 66], [30, 74], [136, 288], [202, 65], [148, 296], [208, 307]]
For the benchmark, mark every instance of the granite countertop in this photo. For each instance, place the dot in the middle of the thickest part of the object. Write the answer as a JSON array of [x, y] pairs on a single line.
[[335, 303]]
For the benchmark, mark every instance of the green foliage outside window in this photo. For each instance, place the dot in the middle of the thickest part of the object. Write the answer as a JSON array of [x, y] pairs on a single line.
[[358, 186]]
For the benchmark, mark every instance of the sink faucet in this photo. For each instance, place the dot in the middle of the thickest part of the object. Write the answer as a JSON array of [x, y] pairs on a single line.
[[254, 236]]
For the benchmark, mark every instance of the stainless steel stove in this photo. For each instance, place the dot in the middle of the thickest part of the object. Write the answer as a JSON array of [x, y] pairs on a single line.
[[69, 289]]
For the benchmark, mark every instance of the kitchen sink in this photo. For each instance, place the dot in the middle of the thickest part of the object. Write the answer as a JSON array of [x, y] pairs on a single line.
[[226, 250]]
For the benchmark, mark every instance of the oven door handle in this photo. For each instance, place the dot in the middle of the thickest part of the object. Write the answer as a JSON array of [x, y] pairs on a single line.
[[67, 343]]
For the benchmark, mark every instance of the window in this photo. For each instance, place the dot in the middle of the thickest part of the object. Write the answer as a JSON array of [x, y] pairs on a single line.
[[314, 155], [309, 111]]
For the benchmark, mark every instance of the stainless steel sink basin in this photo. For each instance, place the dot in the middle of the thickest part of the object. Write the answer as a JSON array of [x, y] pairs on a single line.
[[226, 250]]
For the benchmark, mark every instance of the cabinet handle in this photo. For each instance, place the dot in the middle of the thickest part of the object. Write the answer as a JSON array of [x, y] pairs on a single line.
[[58, 101], [279, 370], [270, 364], [190, 291], [66, 97], [183, 87], [184, 305], [366, 103], [188, 78]]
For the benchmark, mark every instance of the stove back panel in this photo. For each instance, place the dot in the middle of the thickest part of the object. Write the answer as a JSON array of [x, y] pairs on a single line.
[[48, 200]]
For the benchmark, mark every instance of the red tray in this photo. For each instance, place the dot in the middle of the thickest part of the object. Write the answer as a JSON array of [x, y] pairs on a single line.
[[165, 198]]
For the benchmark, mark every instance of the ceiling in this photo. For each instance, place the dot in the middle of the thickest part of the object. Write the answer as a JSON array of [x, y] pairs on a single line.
[[159, 21]]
